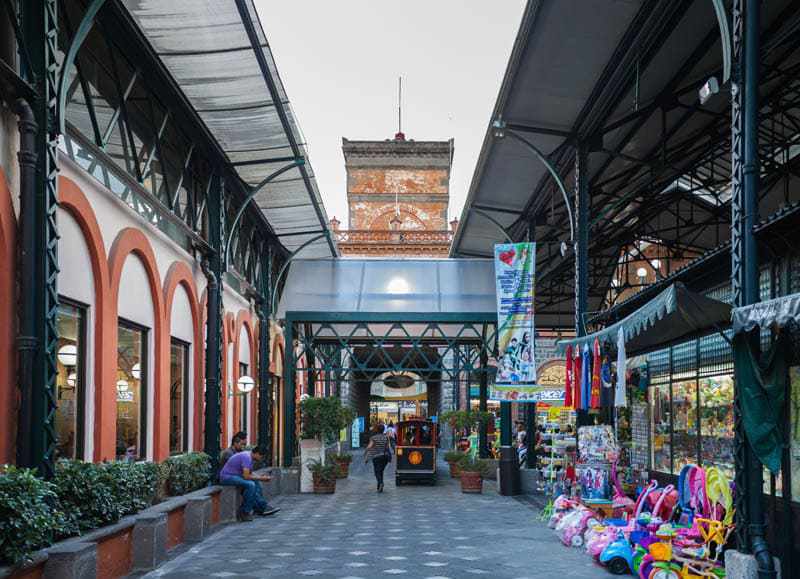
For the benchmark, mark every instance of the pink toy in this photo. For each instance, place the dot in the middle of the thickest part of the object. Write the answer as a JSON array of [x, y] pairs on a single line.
[[620, 501], [572, 534]]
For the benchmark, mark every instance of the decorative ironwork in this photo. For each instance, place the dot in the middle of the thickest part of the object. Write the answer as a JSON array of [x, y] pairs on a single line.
[[405, 236]]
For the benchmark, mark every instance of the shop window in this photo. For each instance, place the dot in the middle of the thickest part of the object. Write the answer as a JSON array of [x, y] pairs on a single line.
[[178, 397], [660, 413], [716, 423], [684, 424], [131, 389], [244, 400], [70, 389]]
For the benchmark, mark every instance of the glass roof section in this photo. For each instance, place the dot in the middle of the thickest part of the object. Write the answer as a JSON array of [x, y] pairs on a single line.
[[387, 286], [219, 56]]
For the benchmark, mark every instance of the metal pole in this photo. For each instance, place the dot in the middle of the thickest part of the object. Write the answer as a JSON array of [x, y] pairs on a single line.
[[483, 447], [530, 417], [581, 251], [212, 267], [288, 396], [264, 349], [38, 340], [749, 262]]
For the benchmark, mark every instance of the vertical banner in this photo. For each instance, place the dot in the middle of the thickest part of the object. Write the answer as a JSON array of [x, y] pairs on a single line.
[[515, 274]]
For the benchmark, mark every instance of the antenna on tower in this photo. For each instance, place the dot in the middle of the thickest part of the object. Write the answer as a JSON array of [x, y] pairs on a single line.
[[399, 136]]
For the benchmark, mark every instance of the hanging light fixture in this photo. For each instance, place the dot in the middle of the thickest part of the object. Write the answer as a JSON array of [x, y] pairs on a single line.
[[136, 371], [72, 379], [245, 384], [122, 385], [398, 380], [68, 355]]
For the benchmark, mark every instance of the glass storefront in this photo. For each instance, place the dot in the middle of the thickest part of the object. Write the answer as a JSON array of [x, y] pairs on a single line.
[[660, 415], [71, 363], [131, 391], [684, 424], [716, 422], [178, 396]]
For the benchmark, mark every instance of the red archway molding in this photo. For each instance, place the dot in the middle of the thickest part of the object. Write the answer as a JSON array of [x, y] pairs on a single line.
[[179, 274], [8, 379], [133, 241], [72, 199]]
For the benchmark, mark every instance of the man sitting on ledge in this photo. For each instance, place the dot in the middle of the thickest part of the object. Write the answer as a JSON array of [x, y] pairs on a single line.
[[238, 471]]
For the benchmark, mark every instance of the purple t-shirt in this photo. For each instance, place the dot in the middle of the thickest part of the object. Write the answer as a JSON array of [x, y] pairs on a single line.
[[236, 463]]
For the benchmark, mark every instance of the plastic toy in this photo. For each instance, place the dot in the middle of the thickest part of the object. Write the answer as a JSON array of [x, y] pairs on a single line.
[[573, 533], [621, 503], [618, 556]]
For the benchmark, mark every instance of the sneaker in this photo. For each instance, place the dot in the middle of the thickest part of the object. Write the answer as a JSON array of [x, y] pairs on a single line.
[[269, 511]]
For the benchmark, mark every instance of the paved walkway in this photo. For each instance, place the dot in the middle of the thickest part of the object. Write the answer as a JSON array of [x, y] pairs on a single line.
[[410, 531]]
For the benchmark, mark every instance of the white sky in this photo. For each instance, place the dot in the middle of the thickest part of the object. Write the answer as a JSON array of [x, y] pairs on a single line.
[[339, 61]]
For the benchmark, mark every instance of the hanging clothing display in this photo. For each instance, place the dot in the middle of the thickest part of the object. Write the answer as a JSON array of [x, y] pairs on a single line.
[[607, 380], [620, 398], [594, 401], [577, 377], [586, 377], [568, 379]]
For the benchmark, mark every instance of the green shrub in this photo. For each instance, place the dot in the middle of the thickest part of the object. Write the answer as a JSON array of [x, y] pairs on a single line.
[[185, 473], [86, 493], [324, 472], [343, 457], [30, 515], [133, 484], [474, 465], [453, 456], [323, 418]]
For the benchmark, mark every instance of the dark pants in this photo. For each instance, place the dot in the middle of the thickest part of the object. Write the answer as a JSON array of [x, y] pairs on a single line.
[[379, 465]]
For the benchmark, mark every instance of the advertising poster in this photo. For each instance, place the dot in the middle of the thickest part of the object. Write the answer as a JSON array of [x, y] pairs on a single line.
[[515, 274]]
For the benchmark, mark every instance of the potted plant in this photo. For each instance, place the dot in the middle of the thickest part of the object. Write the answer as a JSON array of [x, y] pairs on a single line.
[[453, 458], [324, 476], [321, 421], [472, 473], [460, 420], [342, 461]]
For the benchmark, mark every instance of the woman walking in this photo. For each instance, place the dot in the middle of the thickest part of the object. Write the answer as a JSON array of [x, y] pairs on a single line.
[[379, 451]]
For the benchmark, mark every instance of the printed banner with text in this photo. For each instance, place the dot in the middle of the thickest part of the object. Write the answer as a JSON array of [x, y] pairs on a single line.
[[515, 274]]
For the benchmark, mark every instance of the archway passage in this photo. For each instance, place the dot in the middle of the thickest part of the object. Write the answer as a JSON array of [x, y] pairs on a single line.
[[432, 322]]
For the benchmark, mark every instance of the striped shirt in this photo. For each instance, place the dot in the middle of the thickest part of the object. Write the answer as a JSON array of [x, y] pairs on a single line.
[[380, 444]]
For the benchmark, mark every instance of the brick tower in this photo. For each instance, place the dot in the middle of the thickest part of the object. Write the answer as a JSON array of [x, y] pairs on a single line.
[[398, 193]]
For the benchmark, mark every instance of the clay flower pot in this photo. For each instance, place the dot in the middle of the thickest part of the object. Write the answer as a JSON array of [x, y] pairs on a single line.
[[455, 469], [471, 482], [344, 468], [322, 486]]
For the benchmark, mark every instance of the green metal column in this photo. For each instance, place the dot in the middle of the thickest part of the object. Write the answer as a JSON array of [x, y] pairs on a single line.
[[38, 339], [745, 258], [213, 269], [264, 349], [505, 424], [483, 446], [288, 396]]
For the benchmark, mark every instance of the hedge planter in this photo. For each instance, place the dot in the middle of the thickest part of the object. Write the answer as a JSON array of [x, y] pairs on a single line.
[[471, 482], [323, 486]]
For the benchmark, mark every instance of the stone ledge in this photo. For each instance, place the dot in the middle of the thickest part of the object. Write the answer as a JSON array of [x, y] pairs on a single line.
[[743, 566]]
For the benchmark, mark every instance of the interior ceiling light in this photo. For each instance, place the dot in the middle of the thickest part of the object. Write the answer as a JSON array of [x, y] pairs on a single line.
[[68, 355]]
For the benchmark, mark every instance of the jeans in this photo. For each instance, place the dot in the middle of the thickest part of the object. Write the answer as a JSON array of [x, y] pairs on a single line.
[[253, 497], [379, 464]]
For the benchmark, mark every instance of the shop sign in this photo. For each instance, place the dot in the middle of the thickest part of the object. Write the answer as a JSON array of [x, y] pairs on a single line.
[[515, 274]]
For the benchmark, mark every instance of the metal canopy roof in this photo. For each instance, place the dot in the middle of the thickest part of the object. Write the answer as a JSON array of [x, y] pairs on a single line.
[[623, 77], [390, 287], [219, 56]]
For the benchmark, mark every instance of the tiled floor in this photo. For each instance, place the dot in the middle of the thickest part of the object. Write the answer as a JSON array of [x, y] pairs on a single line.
[[410, 531]]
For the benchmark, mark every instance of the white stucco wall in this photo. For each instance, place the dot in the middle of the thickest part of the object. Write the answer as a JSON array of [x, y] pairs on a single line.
[[75, 281]]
